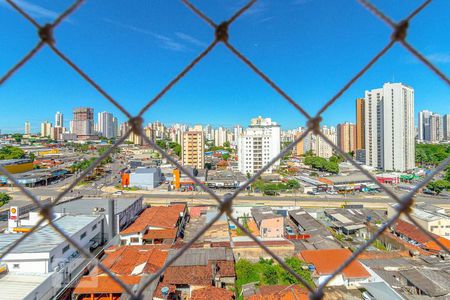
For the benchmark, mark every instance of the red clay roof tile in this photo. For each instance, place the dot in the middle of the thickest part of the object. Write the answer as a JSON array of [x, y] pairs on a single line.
[[326, 261]]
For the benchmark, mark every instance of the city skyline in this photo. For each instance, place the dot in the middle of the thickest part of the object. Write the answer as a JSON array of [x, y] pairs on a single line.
[[309, 76]]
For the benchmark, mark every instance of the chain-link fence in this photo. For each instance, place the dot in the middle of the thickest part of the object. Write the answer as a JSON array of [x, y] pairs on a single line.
[[225, 203]]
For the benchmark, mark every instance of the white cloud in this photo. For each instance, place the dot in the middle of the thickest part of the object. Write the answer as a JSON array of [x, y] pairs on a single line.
[[442, 58], [164, 42], [190, 39], [33, 10]]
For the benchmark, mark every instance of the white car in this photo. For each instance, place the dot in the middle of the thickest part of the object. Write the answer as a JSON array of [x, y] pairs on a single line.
[[118, 193]]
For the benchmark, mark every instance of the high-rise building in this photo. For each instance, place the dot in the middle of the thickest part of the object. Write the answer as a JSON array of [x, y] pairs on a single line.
[[107, 125], [299, 147], [446, 127], [389, 128], [319, 146], [193, 149], [59, 119], [360, 123], [436, 132], [424, 125], [27, 127], [258, 144], [346, 137], [431, 127], [56, 132], [45, 129], [83, 121]]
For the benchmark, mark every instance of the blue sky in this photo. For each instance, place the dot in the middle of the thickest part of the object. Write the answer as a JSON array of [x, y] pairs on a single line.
[[310, 48]]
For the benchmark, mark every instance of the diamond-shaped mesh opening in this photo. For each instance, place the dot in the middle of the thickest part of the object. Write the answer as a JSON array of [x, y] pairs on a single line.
[[220, 34]]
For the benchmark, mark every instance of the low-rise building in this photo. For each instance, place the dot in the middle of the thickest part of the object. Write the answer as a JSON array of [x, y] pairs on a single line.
[[281, 292], [325, 262], [145, 178], [270, 225], [156, 225], [46, 262], [353, 221], [199, 268], [131, 264], [429, 217]]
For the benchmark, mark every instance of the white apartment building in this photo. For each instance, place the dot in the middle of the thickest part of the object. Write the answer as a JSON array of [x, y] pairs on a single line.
[[59, 120], [107, 125], [258, 144], [431, 127], [46, 128], [389, 127], [446, 127], [318, 145]]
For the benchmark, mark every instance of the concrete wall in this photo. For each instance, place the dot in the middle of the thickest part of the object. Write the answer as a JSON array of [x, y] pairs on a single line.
[[272, 228], [253, 253]]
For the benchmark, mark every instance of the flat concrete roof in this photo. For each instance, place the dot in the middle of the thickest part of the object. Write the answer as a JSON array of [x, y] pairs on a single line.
[[86, 206], [46, 238]]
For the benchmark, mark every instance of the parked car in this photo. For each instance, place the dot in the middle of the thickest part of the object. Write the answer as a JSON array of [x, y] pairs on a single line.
[[312, 193], [93, 245], [289, 230]]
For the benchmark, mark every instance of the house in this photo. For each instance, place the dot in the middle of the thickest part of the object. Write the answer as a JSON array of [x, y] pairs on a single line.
[[212, 292], [199, 268], [279, 292], [156, 225], [415, 236], [430, 217], [270, 225], [353, 220], [326, 261], [131, 264]]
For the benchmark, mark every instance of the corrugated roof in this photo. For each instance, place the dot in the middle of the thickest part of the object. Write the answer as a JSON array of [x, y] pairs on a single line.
[[46, 238], [432, 282]]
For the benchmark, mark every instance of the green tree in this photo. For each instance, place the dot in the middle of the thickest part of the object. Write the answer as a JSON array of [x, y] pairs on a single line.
[[11, 152], [32, 156], [270, 274], [296, 264], [225, 156], [4, 198], [438, 186], [17, 137], [226, 144]]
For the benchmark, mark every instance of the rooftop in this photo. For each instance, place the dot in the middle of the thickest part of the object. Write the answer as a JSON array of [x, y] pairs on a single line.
[[262, 213], [280, 292], [18, 287], [326, 266], [87, 206], [158, 216], [46, 238]]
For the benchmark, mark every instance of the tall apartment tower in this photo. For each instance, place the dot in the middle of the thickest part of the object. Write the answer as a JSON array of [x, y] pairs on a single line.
[[389, 128], [107, 125], [59, 119], [46, 128], [424, 132], [258, 144], [83, 121], [360, 123], [193, 149], [27, 128], [436, 132], [446, 127], [346, 137]]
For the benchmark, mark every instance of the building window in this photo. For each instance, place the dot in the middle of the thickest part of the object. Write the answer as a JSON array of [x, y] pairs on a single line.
[[83, 235], [16, 266], [65, 249], [134, 240], [94, 227]]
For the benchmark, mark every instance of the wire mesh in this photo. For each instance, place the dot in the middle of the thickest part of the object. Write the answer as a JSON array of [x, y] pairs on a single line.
[[225, 204]]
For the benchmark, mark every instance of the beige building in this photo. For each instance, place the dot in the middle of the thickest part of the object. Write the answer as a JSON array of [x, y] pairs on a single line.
[[360, 120], [46, 129], [298, 149], [193, 149], [346, 137]]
